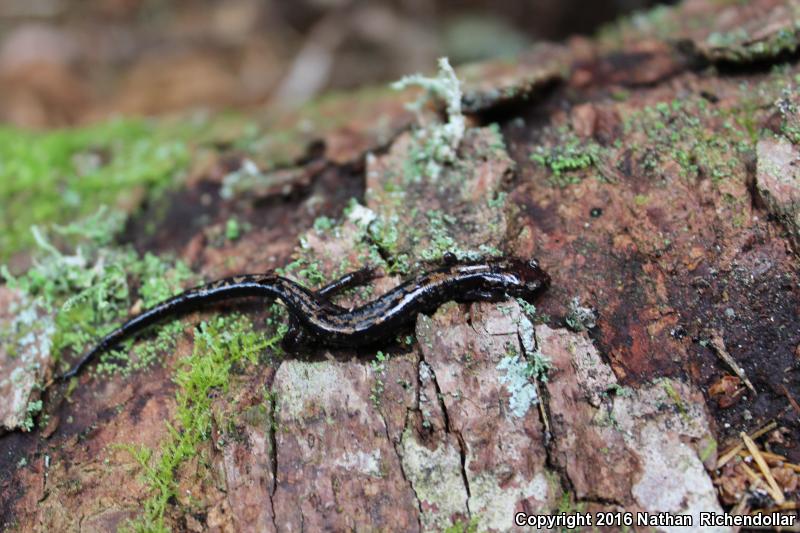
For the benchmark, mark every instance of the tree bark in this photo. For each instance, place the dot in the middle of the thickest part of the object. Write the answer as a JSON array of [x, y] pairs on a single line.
[[651, 170]]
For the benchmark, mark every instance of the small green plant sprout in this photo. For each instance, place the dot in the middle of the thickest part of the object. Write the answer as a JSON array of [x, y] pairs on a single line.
[[233, 229], [538, 366], [437, 144], [323, 224], [580, 318], [528, 308]]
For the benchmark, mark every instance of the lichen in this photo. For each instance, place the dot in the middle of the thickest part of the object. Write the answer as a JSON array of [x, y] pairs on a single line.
[[88, 289], [519, 372], [787, 106], [248, 176], [704, 141], [441, 241], [436, 144], [580, 318], [435, 475]]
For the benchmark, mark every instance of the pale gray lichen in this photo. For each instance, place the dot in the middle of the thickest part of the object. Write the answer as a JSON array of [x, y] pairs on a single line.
[[437, 143], [360, 215], [516, 379], [245, 178], [526, 331], [580, 318]]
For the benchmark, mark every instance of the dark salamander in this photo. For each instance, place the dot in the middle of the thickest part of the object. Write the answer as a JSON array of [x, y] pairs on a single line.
[[315, 320]]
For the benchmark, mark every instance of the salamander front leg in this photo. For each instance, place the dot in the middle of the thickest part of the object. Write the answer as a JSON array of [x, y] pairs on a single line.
[[478, 295], [296, 338]]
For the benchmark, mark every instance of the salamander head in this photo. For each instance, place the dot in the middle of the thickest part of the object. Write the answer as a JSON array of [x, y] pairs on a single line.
[[526, 278]]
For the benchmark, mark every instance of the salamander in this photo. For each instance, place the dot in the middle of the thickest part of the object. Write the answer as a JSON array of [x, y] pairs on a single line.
[[315, 320]]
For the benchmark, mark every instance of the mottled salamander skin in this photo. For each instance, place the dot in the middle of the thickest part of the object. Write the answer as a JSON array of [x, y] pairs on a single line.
[[315, 320]]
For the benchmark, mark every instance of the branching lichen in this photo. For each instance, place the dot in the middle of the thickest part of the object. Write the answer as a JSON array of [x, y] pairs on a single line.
[[89, 288], [437, 144]]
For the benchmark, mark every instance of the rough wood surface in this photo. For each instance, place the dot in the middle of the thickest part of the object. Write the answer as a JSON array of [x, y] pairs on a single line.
[[653, 172]]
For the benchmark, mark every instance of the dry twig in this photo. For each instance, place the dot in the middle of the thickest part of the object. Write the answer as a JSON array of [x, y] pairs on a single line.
[[774, 490], [731, 452], [722, 352]]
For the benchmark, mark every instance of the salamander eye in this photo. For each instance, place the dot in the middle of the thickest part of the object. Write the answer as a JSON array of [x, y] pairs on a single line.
[[449, 258]]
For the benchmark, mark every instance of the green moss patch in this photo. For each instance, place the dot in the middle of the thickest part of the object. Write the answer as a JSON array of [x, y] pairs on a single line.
[[58, 176], [221, 346], [90, 287], [702, 139], [566, 158]]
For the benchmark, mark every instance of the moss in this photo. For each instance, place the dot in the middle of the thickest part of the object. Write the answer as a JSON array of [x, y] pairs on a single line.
[[568, 505], [740, 47], [92, 287], [220, 345], [378, 369], [787, 107], [565, 158], [703, 140], [470, 526], [663, 23], [57, 176], [674, 396]]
